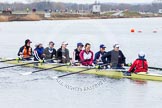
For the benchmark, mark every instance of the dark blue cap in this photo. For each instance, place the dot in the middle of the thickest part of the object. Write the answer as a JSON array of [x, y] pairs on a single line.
[[102, 46], [80, 44]]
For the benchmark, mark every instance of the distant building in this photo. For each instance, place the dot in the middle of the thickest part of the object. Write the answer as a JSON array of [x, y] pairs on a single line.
[[157, 6], [96, 9], [47, 13], [157, 1], [8, 11], [160, 11]]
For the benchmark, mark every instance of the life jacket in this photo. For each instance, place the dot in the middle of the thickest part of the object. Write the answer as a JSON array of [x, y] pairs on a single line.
[[26, 53]]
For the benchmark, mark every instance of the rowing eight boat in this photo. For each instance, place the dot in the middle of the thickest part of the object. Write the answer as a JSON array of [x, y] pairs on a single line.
[[107, 73]]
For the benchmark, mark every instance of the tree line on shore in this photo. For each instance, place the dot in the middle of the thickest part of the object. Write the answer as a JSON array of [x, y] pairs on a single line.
[[41, 6]]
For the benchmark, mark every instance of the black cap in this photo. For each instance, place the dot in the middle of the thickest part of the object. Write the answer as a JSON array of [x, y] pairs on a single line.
[[27, 41]]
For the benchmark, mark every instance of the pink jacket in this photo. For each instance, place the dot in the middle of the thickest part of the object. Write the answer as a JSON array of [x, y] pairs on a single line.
[[87, 58]]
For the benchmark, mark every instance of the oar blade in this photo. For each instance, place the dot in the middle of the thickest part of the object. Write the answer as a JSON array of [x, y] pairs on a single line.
[[54, 77], [26, 73]]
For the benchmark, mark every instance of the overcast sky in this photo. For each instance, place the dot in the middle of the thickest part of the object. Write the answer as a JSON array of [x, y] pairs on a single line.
[[87, 1]]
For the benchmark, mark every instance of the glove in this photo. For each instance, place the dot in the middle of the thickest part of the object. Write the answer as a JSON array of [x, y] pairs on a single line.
[[18, 58], [68, 64], [129, 64], [41, 61], [98, 67]]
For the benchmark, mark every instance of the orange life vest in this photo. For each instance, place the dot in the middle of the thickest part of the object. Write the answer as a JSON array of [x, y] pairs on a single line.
[[26, 53]]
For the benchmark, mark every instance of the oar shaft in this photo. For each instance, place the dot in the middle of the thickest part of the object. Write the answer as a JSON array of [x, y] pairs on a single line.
[[155, 68], [8, 60], [24, 64], [80, 71], [75, 72], [53, 67], [48, 68], [15, 59], [18, 65], [28, 73]]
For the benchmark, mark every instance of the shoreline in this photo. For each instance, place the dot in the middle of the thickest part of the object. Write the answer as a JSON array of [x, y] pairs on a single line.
[[65, 16]]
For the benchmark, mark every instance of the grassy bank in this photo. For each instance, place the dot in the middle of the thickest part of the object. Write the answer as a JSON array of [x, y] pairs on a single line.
[[3, 18], [69, 16], [132, 14]]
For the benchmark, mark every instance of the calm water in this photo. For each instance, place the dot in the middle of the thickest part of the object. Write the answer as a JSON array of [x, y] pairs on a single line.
[[39, 91]]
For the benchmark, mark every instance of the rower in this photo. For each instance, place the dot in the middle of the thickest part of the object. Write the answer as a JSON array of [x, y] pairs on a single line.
[[62, 53], [140, 65], [50, 52], [99, 54], [25, 52], [38, 52], [86, 56], [115, 57], [76, 53]]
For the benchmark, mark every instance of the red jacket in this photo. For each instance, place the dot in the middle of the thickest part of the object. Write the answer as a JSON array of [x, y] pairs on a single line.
[[139, 65], [86, 57]]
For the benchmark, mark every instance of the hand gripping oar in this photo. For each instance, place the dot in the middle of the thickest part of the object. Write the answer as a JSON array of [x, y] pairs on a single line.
[[25, 64], [97, 67], [28, 73]]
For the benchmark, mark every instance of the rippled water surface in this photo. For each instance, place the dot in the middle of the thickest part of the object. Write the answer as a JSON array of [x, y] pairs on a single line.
[[77, 91]]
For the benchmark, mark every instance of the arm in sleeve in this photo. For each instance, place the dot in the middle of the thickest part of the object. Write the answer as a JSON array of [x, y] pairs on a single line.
[[36, 55], [31, 51], [105, 57], [58, 54], [91, 61], [73, 59], [96, 57], [81, 56], [20, 51], [68, 57], [132, 66], [146, 66], [123, 57], [54, 53]]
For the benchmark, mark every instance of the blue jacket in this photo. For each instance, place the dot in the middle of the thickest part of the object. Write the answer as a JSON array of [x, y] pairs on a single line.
[[38, 53], [98, 55]]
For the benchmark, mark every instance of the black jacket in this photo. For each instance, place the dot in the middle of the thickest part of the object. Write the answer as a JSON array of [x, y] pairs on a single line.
[[59, 56]]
